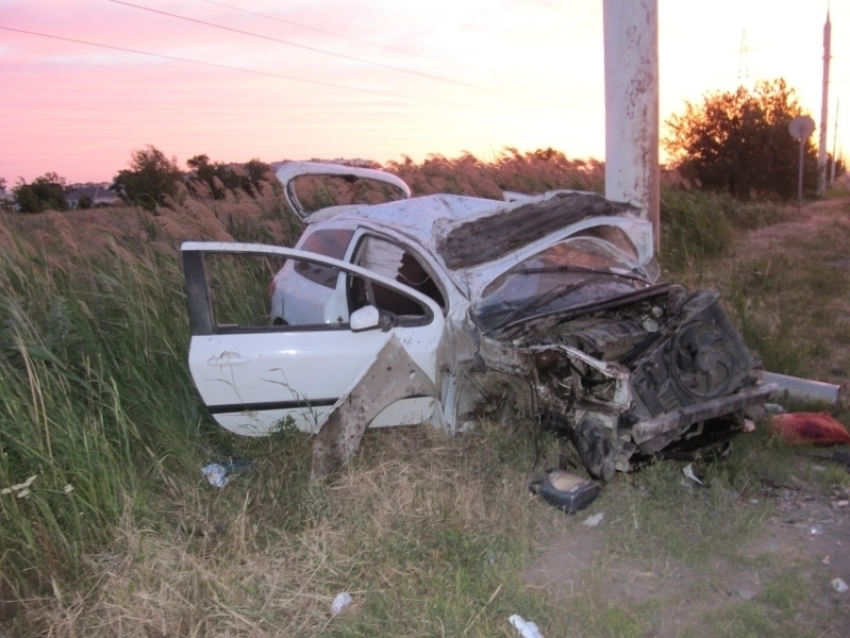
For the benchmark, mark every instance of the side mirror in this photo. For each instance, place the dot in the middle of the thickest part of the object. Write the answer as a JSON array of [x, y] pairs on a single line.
[[364, 318]]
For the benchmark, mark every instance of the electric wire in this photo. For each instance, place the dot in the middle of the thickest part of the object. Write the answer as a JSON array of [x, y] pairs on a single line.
[[339, 55], [573, 18], [348, 37], [255, 72]]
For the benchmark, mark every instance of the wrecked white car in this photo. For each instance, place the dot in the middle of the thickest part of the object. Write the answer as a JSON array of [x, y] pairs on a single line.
[[444, 308]]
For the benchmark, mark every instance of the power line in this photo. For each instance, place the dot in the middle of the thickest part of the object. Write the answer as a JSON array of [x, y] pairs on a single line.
[[743, 58], [348, 37], [339, 55], [561, 11], [251, 71]]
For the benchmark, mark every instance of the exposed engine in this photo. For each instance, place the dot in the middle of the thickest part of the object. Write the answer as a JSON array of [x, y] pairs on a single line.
[[667, 371]]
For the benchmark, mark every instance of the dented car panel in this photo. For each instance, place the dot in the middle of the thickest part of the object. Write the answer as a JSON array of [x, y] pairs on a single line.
[[251, 379], [446, 308]]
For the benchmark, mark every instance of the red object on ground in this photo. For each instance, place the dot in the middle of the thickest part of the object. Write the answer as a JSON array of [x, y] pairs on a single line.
[[809, 428]]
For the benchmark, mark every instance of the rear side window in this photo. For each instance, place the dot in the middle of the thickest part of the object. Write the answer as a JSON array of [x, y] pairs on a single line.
[[332, 242]]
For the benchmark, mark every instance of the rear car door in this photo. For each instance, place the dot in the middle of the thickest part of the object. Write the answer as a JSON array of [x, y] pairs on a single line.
[[254, 372]]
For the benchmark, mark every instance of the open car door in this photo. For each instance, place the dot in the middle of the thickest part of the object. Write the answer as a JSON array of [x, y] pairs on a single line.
[[254, 371], [317, 178]]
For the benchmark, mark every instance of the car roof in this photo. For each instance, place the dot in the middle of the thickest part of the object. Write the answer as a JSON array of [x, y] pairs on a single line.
[[466, 231]]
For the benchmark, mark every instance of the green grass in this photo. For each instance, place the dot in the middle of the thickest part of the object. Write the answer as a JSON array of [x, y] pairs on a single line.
[[430, 535], [95, 396], [697, 227]]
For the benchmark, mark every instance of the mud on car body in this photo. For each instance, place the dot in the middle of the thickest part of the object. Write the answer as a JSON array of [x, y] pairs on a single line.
[[443, 308]]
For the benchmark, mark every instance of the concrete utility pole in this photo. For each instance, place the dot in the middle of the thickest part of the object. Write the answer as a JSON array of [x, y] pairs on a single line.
[[834, 145], [824, 109], [631, 106]]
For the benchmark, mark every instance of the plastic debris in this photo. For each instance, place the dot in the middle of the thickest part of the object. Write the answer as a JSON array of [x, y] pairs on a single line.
[[218, 474], [745, 594], [688, 471], [774, 408], [341, 601], [25, 484], [593, 521], [21, 488], [565, 491], [816, 530], [809, 428], [525, 628], [215, 474], [839, 585]]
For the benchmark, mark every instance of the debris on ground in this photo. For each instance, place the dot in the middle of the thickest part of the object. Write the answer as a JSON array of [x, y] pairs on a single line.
[[745, 594], [565, 491], [809, 428], [839, 585], [341, 601], [773, 408], [218, 474], [688, 471], [525, 628], [593, 521]]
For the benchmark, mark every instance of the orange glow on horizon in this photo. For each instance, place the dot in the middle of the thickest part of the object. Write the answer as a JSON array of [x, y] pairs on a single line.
[[537, 71]]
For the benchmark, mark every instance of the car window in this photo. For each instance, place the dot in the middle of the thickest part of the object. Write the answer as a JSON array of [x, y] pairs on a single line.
[[315, 192], [393, 261], [571, 274], [615, 236], [248, 295], [331, 242]]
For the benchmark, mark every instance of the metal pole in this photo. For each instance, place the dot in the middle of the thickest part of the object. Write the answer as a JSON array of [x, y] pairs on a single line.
[[631, 106], [834, 145], [800, 179], [824, 111]]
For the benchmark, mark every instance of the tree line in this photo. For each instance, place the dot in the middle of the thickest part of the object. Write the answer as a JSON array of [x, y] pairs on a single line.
[[734, 141], [151, 177]]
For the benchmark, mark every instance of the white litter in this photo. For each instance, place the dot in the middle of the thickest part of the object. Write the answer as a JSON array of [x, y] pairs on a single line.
[[341, 601], [774, 408], [593, 521], [215, 474], [525, 628], [688, 471], [839, 585]]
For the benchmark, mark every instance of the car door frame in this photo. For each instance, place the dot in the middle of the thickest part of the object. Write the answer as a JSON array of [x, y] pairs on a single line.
[[203, 324]]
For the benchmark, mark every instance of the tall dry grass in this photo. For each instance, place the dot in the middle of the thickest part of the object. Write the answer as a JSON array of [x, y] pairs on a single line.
[[119, 535], [532, 173]]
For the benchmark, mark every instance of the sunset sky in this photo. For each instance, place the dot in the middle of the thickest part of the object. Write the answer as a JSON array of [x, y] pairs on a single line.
[[299, 79]]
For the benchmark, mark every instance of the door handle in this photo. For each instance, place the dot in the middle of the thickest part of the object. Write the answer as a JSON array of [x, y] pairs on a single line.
[[227, 359]]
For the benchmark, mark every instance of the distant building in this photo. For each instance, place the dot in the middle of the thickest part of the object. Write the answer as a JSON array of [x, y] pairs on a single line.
[[7, 201], [99, 194]]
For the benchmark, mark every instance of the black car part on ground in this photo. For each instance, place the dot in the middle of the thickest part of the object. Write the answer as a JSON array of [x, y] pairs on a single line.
[[565, 491]]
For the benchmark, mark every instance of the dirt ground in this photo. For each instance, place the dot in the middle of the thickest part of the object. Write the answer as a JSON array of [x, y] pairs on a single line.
[[809, 530], [806, 527]]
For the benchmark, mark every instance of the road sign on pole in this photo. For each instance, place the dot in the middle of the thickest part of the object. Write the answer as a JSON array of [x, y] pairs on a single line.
[[801, 128]]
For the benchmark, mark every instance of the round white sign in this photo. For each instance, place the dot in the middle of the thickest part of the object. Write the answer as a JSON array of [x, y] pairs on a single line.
[[801, 127]]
